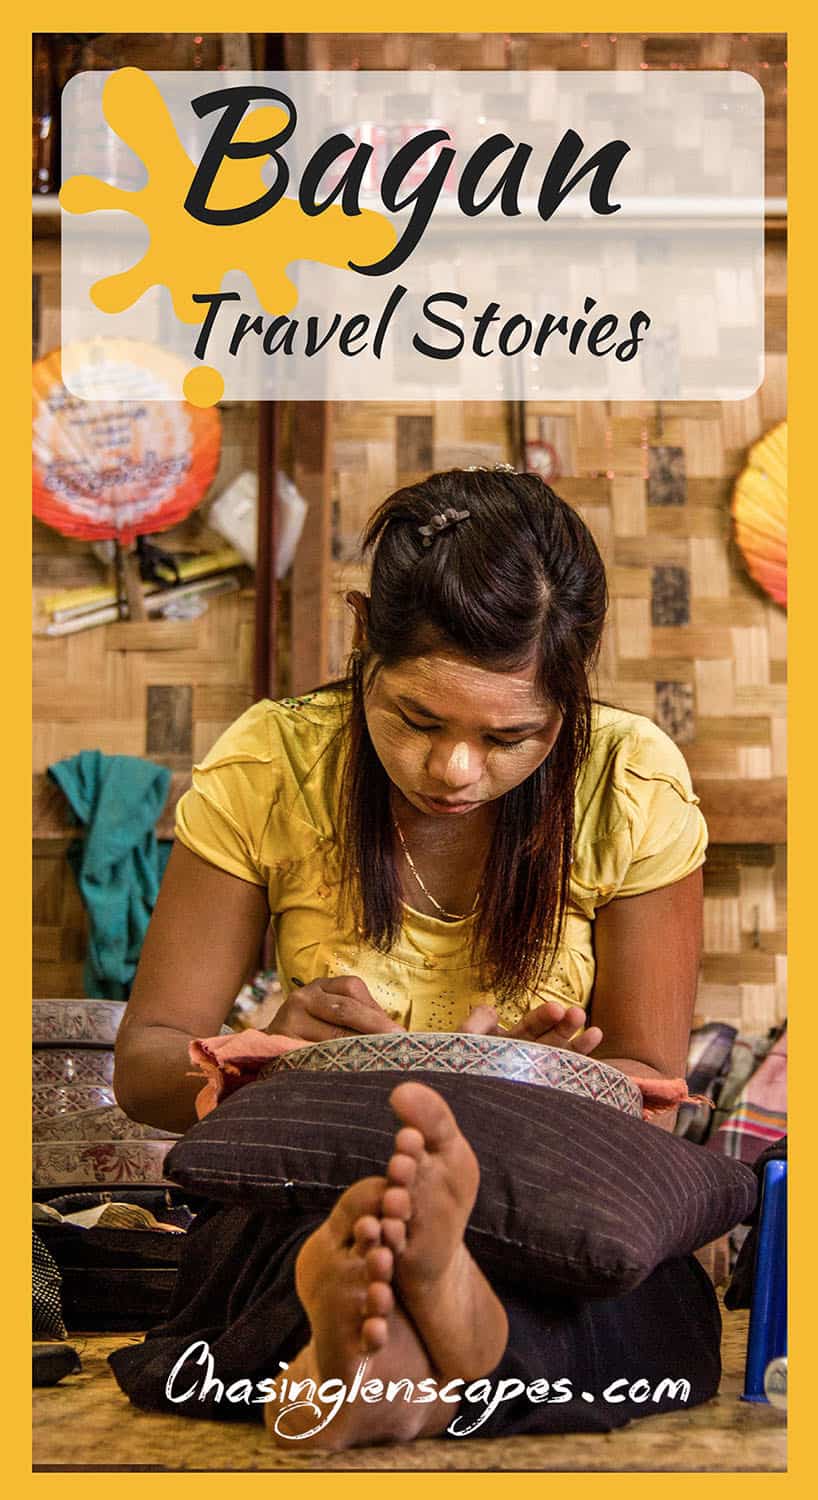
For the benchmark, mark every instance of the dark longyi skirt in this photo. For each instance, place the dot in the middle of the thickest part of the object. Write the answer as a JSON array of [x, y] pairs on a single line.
[[655, 1349]]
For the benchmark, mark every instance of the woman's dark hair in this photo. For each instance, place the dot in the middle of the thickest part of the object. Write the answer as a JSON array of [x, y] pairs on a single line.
[[520, 578]]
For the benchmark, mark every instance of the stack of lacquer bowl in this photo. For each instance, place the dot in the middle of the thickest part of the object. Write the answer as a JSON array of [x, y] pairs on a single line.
[[81, 1136]]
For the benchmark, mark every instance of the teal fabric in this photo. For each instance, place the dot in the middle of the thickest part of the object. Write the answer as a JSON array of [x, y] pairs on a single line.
[[119, 864]]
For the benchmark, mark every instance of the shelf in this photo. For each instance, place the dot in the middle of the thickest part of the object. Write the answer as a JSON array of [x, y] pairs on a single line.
[[737, 812], [45, 208], [45, 214], [52, 817], [744, 812]]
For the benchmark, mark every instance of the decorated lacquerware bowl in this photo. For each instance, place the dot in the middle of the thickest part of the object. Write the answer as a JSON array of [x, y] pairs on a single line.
[[107, 1123], [48, 1103], [60, 1067], [99, 1163], [83, 1023], [81, 1136], [462, 1052]]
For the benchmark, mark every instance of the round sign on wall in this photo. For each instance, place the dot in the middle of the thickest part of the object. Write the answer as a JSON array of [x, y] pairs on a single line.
[[760, 513], [117, 469]]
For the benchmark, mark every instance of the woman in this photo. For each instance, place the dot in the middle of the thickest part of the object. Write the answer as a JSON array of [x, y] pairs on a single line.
[[455, 838]]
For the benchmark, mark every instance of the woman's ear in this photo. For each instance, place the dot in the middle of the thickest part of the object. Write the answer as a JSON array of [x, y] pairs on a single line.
[[359, 604]]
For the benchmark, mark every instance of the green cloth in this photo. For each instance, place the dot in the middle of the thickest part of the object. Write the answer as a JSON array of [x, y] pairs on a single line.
[[119, 864]]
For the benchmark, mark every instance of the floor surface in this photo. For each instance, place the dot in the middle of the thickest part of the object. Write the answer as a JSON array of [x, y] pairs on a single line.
[[86, 1424]]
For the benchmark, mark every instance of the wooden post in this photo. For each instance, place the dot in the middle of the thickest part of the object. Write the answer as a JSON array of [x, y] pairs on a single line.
[[312, 450], [267, 50], [133, 588], [130, 598], [264, 662]]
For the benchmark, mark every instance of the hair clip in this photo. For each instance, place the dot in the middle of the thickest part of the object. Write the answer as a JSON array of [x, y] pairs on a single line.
[[490, 469], [442, 521]]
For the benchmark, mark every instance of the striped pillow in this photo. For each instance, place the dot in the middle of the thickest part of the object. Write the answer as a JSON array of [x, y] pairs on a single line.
[[586, 1199]]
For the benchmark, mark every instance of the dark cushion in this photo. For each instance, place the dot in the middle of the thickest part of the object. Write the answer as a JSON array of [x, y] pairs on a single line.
[[574, 1193]]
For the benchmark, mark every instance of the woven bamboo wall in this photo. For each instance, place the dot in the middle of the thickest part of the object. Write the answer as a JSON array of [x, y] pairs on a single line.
[[762, 54]]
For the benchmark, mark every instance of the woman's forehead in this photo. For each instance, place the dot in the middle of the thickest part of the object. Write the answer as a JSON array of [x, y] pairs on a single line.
[[455, 686]]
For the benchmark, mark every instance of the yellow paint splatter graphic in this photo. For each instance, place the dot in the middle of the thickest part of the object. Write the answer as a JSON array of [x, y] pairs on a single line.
[[187, 256]]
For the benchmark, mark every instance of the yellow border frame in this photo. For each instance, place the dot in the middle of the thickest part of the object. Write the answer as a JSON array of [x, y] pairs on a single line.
[[617, 17]]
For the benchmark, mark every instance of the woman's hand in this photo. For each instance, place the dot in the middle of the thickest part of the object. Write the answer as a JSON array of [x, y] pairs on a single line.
[[553, 1023], [329, 1008]]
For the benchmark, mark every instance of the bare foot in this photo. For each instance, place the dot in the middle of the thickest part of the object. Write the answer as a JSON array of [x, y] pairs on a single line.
[[343, 1278], [432, 1184]]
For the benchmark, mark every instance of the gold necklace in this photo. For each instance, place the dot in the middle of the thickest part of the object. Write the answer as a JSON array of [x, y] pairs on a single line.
[[457, 916]]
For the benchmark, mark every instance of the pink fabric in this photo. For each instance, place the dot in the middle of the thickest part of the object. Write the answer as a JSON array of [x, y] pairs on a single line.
[[228, 1062], [659, 1094]]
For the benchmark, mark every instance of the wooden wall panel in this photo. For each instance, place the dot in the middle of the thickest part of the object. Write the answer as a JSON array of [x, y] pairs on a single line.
[[311, 574], [59, 932], [94, 693]]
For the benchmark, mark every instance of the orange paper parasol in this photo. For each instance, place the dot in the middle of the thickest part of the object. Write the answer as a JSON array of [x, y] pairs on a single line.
[[118, 469], [760, 513]]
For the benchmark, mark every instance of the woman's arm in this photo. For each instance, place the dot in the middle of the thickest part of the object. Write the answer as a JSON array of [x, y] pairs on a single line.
[[203, 941], [648, 950]]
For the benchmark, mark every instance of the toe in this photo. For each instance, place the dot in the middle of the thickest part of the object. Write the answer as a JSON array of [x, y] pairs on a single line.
[[397, 1203], [402, 1170], [393, 1234], [374, 1333], [409, 1142], [416, 1104], [379, 1263], [366, 1232], [380, 1300], [362, 1199]]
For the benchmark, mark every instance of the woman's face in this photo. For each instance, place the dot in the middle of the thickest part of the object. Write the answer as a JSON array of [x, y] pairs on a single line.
[[453, 736]]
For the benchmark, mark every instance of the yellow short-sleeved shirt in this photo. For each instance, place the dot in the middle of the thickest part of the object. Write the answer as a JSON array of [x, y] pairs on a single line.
[[261, 808]]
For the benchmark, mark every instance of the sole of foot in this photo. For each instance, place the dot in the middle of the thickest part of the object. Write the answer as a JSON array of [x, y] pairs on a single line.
[[344, 1274], [432, 1182]]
